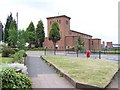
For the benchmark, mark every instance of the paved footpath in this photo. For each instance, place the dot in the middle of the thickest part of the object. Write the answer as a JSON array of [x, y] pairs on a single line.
[[42, 75]]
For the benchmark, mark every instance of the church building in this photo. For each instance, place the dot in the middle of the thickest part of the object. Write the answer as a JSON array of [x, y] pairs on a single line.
[[69, 37]]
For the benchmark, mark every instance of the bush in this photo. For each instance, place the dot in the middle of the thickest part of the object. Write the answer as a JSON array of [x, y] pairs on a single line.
[[11, 79], [16, 67], [15, 49], [83, 50], [7, 51], [19, 56], [0, 49]]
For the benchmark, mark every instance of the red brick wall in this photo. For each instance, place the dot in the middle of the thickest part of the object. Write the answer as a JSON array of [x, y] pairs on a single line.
[[95, 44], [70, 37], [109, 44], [47, 43], [71, 40]]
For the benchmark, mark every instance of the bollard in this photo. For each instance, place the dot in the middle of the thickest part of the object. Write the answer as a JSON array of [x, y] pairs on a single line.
[[77, 52], [45, 51], [99, 54]]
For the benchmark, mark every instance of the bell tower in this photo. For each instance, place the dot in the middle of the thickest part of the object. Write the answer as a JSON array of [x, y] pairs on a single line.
[[64, 25]]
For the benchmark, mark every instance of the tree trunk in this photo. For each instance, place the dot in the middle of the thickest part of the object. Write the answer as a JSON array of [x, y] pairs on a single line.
[[54, 48]]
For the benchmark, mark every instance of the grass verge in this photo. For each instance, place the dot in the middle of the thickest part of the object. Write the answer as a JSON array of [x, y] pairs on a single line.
[[6, 60], [87, 71]]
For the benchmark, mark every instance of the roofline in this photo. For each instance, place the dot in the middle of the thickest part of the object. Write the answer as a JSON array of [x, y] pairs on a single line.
[[81, 33], [58, 17], [96, 39]]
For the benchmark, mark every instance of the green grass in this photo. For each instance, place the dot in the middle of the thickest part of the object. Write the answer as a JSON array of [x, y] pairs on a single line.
[[91, 71], [6, 60]]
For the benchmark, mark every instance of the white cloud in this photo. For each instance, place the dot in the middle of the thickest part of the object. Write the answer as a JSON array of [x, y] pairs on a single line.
[[98, 18]]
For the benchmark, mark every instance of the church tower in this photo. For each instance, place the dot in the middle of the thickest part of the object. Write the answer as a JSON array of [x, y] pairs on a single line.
[[64, 25]]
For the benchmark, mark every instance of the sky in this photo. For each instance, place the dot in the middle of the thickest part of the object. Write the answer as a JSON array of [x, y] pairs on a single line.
[[98, 18]]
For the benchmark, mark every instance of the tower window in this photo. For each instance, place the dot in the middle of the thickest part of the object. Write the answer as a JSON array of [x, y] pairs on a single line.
[[59, 21], [66, 22], [50, 22]]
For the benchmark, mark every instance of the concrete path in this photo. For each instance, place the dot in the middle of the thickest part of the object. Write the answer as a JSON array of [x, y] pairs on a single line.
[[42, 75]]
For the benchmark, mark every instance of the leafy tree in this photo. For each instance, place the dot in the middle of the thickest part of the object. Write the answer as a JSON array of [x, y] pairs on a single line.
[[54, 34], [40, 33], [12, 39], [21, 39], [31, 34], [7, 27], [80, 43]]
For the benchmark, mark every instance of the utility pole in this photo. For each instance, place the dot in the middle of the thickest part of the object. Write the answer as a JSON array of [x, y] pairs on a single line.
[[17, 19]]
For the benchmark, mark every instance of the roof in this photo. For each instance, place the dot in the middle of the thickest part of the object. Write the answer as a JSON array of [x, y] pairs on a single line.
[[96, 39], [58, 17], [81, 33]]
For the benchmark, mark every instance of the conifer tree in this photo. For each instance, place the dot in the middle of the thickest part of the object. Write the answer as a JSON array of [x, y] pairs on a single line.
[[31, 34], [40, 33], [7, 27]]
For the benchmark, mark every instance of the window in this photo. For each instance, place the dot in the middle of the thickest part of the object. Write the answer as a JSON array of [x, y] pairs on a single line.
[[59, 21], [50, 22], [66, 22], [92, 42]]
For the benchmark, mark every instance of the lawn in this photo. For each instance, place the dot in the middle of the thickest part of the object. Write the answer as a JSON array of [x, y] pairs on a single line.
[[94, 72], [5, 60]]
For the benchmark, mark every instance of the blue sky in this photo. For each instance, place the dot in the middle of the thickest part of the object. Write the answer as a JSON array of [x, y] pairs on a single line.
[[98, 18]]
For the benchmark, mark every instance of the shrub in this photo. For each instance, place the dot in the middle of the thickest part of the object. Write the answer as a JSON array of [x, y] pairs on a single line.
[[15, 49], [11, 79], [0, 49], [15, 66], [7, 51], [19, 56], [83, 50]]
